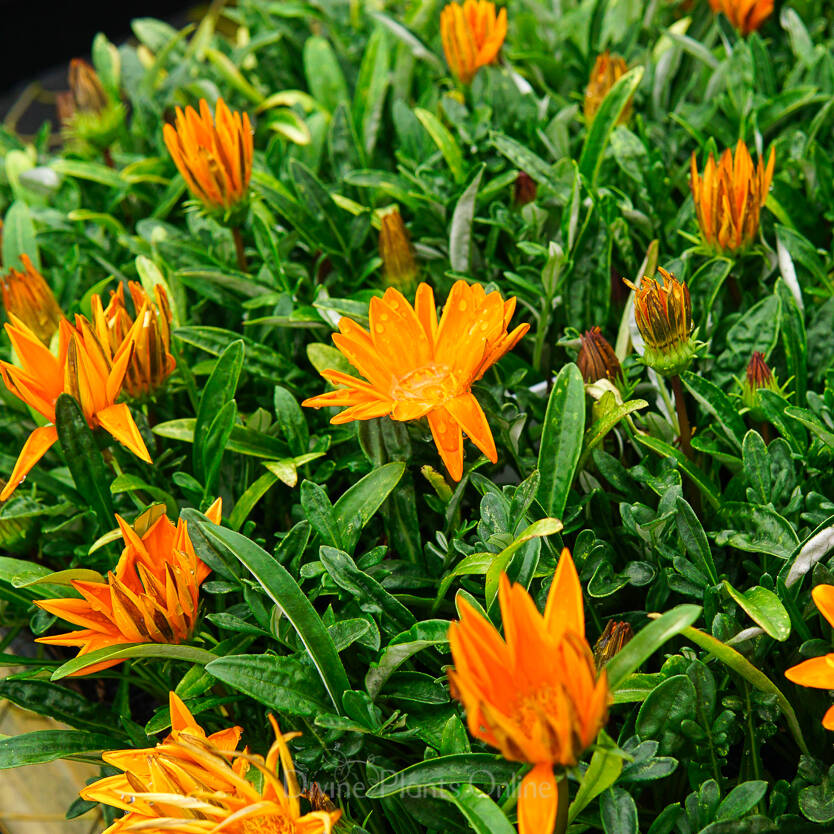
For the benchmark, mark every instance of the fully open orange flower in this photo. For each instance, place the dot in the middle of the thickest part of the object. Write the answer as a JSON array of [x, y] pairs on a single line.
[[729, 197], [818, 672], [152, 596], [151, 362], [214, 155], [28, 296], [84, 368], [415, 367], [472, 36], [745, 15], [535, 694], [192, 783]]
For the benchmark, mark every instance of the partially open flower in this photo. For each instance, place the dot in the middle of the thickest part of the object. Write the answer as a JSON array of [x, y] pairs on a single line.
[[27, 296], [152, 596], [608, 69], [745, 15], [87, 112], [472, 36], [597, 359], [213, 154], [85, 369], [193, 783], [151, 362], [536, 694], [818, 672], [729, 197], [415, 367], [398, 264], [663, 313]]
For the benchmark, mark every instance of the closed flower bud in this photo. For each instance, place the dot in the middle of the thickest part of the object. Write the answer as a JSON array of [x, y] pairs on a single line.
[[597, 359], [663, 313], [524, 190], [612, 640], [87, 112], [472, 36], [398, 265], [151, 362], [27, 296], [758, 375], [745, 15], [607, 70], [729, 197]]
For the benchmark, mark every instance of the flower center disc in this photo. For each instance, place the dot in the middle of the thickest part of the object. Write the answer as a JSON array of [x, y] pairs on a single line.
[[432, 384], [269, 824]]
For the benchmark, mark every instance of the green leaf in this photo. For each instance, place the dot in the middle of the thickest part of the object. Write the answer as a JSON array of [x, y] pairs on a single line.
[[741, 799], [618, 812], [242, 440], [460, 233], [605, 120], [648, 640], [562, 437], [218, 391], [92, 171], [481, 812], [19, 237], [691, 470], [49, 745], [764, 608], [604, 769], [371, 87], [718, 405], [319, 512], [756, 466], [325, 79], [444, 140], [215, 442], [283, 590], [83, 456], [358, 504], [281, 683], [662, 712], [597, 432], [473, 768], [190, 654], [739, 664], [694, 538]]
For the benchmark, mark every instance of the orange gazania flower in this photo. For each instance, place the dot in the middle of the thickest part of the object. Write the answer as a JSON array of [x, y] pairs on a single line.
[[536, 693], [152, 596], [151, 362], [192, 783], [84, 368], [818, 672], [472, 36], [214, 155], [417, 368], [745, 15], [28, 296], [729, 197], [607, 70]]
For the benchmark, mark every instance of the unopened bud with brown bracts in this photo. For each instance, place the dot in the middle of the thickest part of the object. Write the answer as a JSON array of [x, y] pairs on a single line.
[[608, 69], [597, 359], [88, 113], [398, 265], [612, 640], [758, 375], [524, 189]]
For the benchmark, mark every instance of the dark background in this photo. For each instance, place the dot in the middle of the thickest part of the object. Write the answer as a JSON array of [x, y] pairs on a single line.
[[38, 38]]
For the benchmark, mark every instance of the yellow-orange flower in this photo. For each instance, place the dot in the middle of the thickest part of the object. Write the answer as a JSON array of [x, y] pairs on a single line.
[[472, 36], [192, 783], [28, 296], [152, 596], [536, 693], [151, 362], [415, 367], [398, 264], [213, 154], [663, 314], [818, 672], [608, 69], [85, 369], [729, 197], [745, 15]]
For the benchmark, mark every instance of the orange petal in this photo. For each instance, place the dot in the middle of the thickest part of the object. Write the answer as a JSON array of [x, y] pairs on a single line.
[[36, 446], [449, 441], [818, 672], [118, 421], [564, 610], [215, 512], [469, 415], [828, 719], [538, 801]]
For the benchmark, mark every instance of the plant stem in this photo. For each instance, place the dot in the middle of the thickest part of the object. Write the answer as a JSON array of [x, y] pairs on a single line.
[[241, 253], [564, 805], [683, 417]]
